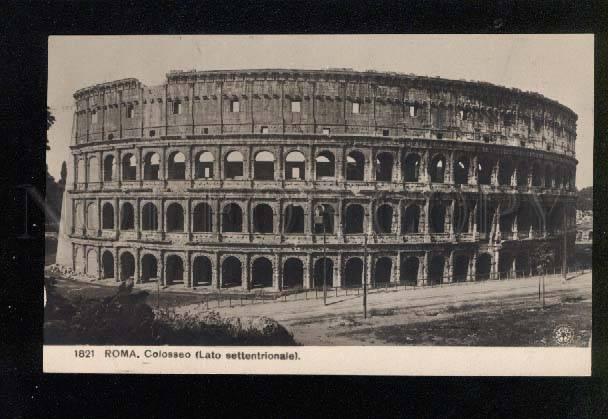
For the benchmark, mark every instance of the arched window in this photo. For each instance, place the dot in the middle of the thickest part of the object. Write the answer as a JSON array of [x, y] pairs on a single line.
[[484, 171], [262, 219], [93, 170], [436, 267], [175, 270], [107, 263], [127, 217], [149, 217], [107, 217], [355, 216], [384, 219], [293, 273], [81, 176], [353, 272], [263, 167], [505, 171], [409, 271], [384, 267], [548, 177], [461, 170], [295, 165], [384, 167], [323, 272], [410, 220], [437, 169], [324, 219], [411, 168], [127, 266], [175, 217], [202, 218], [108, 168], [461, 218], [149, 268], [92, 217], [201, 271], [522, 174], [151, 166], [461, 268], [325, 165], [261, 273], [294, 219], [92, 266], [231, 272], [537, 175], [232, 219], [483, 268], [177, 166], [129, 167], [233, 165], [355, 166], [437, 219], [203, 169]]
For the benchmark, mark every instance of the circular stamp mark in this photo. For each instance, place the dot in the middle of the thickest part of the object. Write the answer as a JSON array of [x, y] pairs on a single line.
[[563, 334]]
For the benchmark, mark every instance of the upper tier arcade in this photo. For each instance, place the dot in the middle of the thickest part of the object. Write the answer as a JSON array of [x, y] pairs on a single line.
[[330, 102]]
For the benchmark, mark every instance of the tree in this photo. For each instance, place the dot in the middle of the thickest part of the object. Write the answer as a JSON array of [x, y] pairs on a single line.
[[584, 199], [64, 173], [50, 120], [542, 257]]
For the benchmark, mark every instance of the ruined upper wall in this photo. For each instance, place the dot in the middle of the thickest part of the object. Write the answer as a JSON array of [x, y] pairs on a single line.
[[200, 102]]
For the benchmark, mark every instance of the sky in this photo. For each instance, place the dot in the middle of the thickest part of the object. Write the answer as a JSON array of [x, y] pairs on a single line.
[[559, 67]]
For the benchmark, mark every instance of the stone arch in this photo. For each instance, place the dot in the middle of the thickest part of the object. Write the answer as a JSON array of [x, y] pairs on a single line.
[[537, 175], [261, 273], [233, 165], [353, 272], [437, 169], [232, 218], [295, 165], [460, 269], [107, 263], [294, 219], [79, 262], [384, 219], [522, 264], [383, 271], [293, 273], [93, 170], [409, 270], [505, 264], [325, 165], [149, 217], [505, 172], [107, 216], [263, 219], [485, 166], [410, 219], [174, 270], [92, 264], [323, 268], [436, 267], [151, 166], [82, 171], [108, 168], [92, 223], [79, 219], [437, 217], [203, 167], [127, 265], [202, 271], [384, 167], [175, 218], [483, 267], [411, 167], [127, 216], [263, 166], [461, 170], [149, 267], [548, 176], [129, 167], [176, 168], [202, 218], [327, 215], [355, 165], [232, 272], [354, 219], [461, 217], [522, 174]]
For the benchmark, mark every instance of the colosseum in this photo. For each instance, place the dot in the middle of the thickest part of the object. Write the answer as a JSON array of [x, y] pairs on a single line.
[[288, 179]]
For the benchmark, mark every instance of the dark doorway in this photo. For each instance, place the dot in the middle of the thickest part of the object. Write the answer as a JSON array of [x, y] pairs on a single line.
[[355, 166], [353, 273], [175, 270], [262, 219], [483, 268], [202, 218], [460, 268], [409, 271], [355, 216], [324, 268], [436, 270], [231, 272], [127, 266], [384, 167], [293, 273], [382, 274], [232, 219], [175, 218], [261, 273], [294, 219], [107, 262], [201, 271], [411, 168], [149, 268]]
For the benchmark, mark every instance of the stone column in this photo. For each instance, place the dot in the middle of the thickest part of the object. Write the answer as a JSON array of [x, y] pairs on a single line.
[[119, 166], [137, 273], [116, 264], [308, 272], [338, 281], [424, 267], [448, 268], [494, 176], [137, 217], [246, 269], [370, 218], [276, 273], [514, 176], [473, 175], [494, 268], [423, 175], [397, 175], [161, 269], [396, 271], [340, 220], [187, 270], [217, 273], [473, 266], [449, 168]]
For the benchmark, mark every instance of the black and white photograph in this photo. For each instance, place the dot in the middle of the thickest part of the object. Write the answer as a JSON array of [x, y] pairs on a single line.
[[298, 192]]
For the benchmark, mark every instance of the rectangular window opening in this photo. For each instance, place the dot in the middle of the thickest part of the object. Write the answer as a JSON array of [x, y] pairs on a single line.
[[94, 117], [295, 105], [356, 107], [413, 111], [326, 131], [264, 130], [205, 130], [385, 132], [235, 106], [130, 112], [177, 107]]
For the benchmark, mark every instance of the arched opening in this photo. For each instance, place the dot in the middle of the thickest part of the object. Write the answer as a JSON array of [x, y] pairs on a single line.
[[522, 264], [522, 175], [411, 168], [263, 167], [327, 218], [108, 168], [177, 166], [384, 167], [107, 264], [548, 177], [231, 272], [294, 219], [175, 218], [149, 217], [537, 176], [460, 268], [484, 171], [437, 169], [461, 218], [355, 166], [149, 268], [483, 267], [263, 219], [175, 270], [355, 216], [232, 219], [92, 217], [201, 271], [151, 166], [324, 268], [233, 165], [202, 218], [505, 172], [107, 216], [293, 273], [127, 217], [410, 219], [506, 221], [92, 267], [295, 166], [261, 273], [437, 219], [79, 264], [129, 167], [203, 168], [384, 219], [127, 266], [93, 170], [325, 165], [353, 273], [505, 265], [485, 215], [409, 271], [436, 267], [382, 274], [461, 170]]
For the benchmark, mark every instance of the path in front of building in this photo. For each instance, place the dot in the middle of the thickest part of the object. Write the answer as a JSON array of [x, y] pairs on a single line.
[[487, 313]]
